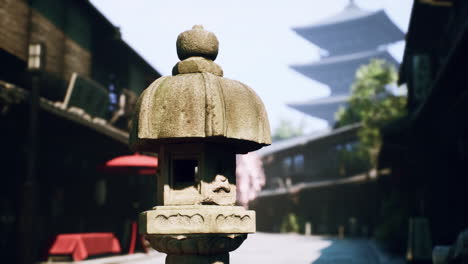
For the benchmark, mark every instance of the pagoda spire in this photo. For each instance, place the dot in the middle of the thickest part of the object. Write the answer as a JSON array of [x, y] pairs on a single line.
[[352, 4], [352, 37]]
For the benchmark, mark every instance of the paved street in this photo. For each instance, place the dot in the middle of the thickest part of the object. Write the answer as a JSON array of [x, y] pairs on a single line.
[[284, 249], [292, 248]]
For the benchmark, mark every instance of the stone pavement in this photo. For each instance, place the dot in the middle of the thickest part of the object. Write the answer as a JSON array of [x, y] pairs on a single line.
[[293, 248], [284, 249]]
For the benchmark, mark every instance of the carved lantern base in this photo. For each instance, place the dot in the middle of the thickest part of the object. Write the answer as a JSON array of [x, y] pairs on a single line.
[[197, 233]]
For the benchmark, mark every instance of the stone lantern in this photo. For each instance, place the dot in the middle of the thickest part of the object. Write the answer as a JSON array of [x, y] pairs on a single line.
[[197, 121]]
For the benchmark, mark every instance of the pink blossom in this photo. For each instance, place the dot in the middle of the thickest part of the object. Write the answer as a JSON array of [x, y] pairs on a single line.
[[250, 177]]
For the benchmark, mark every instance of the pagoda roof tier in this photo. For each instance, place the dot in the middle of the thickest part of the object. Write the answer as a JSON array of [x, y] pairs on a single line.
[[352, 30], [338, 72], [324, 108]]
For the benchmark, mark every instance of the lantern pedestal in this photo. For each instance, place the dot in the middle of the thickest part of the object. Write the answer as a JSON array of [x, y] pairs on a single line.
[[197, 248], [191, 259]]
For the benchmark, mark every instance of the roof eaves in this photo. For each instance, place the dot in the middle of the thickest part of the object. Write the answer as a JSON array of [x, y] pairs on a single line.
[[307, 139]]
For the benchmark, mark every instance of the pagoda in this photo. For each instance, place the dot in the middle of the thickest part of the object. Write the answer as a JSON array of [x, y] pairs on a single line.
[[348, 39]]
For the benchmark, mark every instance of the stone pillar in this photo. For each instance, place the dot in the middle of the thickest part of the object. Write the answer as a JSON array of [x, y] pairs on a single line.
[[202, 249], [197, 121]]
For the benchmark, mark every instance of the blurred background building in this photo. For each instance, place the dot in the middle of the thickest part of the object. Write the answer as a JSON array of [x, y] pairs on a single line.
[[427, 150], [67, 86], [347, 40], [312, 176], [421, 171]]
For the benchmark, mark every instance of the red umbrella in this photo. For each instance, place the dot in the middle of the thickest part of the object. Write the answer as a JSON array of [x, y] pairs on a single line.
[[141, 164], [132, 164]]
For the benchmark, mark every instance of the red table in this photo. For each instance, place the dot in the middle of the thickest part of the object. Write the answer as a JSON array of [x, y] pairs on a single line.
[[80, 246]]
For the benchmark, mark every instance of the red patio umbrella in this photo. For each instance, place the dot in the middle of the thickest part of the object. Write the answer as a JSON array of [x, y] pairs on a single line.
[[132, 164], [141, 164]]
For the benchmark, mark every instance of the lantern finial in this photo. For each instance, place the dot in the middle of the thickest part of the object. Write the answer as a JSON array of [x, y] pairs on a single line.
[[197, 42]]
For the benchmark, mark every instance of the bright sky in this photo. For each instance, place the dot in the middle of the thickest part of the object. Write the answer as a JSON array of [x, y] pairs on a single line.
[[257, 43]]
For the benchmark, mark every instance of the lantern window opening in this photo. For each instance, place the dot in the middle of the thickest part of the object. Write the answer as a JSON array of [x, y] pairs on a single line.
[[185, 171]]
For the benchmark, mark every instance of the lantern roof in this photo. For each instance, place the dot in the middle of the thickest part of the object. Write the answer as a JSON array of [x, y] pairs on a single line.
[[197, 104]]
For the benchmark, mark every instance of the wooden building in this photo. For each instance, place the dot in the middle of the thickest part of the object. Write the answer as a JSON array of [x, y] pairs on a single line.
[[313, 178], [427, 150], [89, 82]]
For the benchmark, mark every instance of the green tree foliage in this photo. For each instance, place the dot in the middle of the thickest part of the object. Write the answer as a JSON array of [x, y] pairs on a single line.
[[372, 105], [287, 129]]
